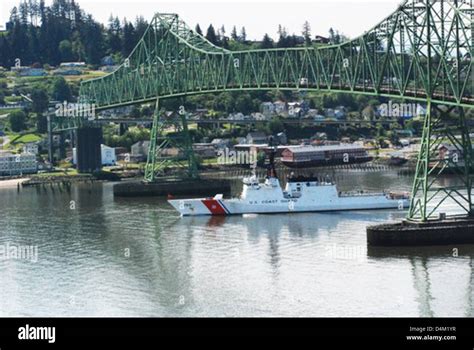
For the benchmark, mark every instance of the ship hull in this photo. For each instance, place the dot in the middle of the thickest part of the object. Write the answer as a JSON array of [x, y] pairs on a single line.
[[212, 206]]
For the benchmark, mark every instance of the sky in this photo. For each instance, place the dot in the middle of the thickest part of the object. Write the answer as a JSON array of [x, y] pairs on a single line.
[[350, 17]]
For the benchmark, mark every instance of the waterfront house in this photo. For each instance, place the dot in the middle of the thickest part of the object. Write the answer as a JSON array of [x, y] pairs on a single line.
[[340, 112], [108, 155], [259, 116], [368, 113], [281, 138], [240, 140], [140, 149], [280, 107], [221, 143], [329, 112], [24, 71], [267, 108], [17, 164], [107, 61], [204, 150], [307, 156], [120, 150], [256, 138], [31, 147], [318, 39], [77, 65]]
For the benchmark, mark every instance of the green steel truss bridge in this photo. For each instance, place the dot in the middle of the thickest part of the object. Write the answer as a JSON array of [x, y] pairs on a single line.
[[421, 52]]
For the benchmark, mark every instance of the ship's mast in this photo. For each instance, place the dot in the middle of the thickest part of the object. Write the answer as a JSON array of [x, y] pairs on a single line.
[[271, 171]]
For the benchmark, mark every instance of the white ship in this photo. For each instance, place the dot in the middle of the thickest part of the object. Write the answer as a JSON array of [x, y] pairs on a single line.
[[299, 195]]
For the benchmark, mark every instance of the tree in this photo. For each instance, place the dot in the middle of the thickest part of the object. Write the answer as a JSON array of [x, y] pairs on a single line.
[[283, 37], [267, 42], [17, 121], [332, 35], [128, 42], [198, 29], [211, 35], [40, 100], [114, 39], [275, 126], [78, 50], [65, 50], [307, 33], [5, 52], [41, 123], [94, 41], [141, 26], [244, 104], [60, 90], [243, 35], [233, 34]]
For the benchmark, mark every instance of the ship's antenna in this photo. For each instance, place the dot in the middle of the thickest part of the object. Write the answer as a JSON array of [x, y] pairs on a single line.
[[253, 166]]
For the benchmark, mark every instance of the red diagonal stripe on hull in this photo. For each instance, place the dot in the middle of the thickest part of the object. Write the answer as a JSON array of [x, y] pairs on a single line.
[[214, 207]]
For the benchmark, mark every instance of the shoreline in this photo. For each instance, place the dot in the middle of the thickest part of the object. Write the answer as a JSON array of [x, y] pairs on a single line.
[[12, 182]]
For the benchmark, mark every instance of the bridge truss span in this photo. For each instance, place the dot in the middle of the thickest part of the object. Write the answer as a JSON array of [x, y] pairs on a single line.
[[421, 51]]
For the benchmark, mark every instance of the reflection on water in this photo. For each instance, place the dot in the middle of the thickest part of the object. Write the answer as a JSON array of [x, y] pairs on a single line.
[[136, 257]]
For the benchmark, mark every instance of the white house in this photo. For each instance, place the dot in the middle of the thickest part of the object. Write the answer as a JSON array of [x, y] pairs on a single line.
[[108, 155], [256, 138], [30, 147], [267, 108], [221, 143], [16, 164], [140, 149], [280, 107]]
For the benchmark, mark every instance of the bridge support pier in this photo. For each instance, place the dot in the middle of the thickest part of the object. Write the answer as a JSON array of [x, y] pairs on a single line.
[[445, 149], [158, 160], [88, 152]]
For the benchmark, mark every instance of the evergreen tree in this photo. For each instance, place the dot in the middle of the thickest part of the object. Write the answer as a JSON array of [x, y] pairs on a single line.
[[307, 33], [198, 29], [60, 90], [40, 100], [267, 42], [78, 50], [128, 42], [233, 34], [34, 44], [211, 35], [17, 121], [243, 35], [283, 37], [332, 35], [114, 40], [65, 50], [94, 41], [5, 52], [140, 27]]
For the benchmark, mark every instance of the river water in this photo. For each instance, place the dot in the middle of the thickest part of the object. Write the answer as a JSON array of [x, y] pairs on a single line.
[[95, 255]]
